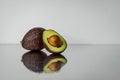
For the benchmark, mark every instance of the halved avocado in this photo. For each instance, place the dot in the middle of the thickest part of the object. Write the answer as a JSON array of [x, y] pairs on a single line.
[[54, 63], [33, 60], [53, 41]]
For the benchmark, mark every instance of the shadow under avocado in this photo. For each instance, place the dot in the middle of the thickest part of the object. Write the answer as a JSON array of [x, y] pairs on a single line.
[[38, 61]]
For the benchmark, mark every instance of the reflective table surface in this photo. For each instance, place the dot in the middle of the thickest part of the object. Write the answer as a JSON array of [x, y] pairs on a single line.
[[84, 62]]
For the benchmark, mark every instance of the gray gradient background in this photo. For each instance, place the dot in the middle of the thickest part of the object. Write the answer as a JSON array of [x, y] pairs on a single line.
[[79, 21]]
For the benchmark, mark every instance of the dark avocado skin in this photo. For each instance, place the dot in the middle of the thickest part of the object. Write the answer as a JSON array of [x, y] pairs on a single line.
[[53, 56], [33, 60], [33, 39]]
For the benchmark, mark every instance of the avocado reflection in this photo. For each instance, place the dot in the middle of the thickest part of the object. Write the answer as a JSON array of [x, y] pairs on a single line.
[[33, 60], [38, 61], [54, 63]]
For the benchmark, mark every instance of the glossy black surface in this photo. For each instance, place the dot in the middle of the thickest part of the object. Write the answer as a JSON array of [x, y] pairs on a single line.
[[85, 62]]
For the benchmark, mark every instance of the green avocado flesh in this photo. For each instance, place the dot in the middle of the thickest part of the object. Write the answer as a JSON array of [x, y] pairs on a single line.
[[47, 70], [47, 34]]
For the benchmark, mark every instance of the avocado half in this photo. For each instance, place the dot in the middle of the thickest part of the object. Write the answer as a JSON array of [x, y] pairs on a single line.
[[53, 41], [33, 60], [33, 39], [54, 63]]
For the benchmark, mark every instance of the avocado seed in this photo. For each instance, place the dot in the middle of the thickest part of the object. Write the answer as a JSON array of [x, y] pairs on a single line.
[[55, 66], [55, 41]]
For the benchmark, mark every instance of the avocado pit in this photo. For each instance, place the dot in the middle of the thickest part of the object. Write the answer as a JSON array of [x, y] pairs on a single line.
[[55, 66], [55, 41]]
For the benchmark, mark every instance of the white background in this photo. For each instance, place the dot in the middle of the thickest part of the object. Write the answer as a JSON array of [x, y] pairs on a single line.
[[78, 21]]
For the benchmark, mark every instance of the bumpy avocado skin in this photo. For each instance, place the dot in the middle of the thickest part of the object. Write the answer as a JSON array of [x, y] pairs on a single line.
[[51, 58], [33, 39], [49, 49], [33, 60]]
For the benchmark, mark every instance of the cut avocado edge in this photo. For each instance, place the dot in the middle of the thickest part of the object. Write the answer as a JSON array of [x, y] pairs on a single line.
[[46, 35]]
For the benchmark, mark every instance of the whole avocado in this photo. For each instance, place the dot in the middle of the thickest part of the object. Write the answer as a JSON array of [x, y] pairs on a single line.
[[33, 39]]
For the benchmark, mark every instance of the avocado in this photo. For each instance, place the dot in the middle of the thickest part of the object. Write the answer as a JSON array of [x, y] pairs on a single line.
[[54, 63], [53, 41], [33, 60], [33, 39]]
